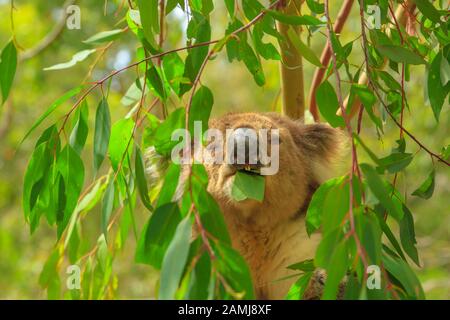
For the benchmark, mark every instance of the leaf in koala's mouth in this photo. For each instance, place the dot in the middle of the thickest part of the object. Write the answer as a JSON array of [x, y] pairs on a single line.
[[248, 185]]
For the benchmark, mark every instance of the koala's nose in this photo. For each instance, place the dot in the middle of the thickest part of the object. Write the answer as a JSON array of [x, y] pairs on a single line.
[[245, 148]]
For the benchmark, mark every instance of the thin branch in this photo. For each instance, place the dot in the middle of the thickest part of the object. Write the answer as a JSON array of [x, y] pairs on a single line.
[[380, 98], [325, 58], [49, 38], [408, 133], [354, 167], [402, 11], [116, 72], [196, 82], [162, 15]]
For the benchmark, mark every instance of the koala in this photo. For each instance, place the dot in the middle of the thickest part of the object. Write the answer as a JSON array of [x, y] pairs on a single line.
[[271, 235]]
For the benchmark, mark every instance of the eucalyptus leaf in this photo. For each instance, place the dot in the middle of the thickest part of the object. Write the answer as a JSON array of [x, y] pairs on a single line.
[[248, 186], [104, 36], [426, 189], [77, 57], [175, 260], [102, 132], [8, 66]]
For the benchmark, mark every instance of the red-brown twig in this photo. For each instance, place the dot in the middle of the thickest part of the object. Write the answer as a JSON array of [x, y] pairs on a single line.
[[155, 56], [348, 126], [373, 85], [325, 58], [188, 108]]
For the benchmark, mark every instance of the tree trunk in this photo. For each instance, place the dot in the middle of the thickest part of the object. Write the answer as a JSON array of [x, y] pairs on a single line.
[[292, 86]]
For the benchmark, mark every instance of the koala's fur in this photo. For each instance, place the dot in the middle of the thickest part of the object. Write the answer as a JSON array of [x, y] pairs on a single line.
[[271, 235]]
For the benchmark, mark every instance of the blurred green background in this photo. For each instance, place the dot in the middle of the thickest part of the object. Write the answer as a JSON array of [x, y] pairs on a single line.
[[22, 256]]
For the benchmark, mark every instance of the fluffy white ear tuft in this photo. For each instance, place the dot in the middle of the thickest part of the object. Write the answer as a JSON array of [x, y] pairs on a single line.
[[327, 149]]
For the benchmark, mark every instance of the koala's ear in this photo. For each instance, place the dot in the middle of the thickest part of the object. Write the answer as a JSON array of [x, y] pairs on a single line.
[[324, 147]]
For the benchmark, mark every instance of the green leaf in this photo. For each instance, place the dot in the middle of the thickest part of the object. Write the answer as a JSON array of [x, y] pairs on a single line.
[[369, 233], [388, 232], [173, 67], [175, 260], [37, 169], [171, 4], [408, 235], [306, 266], [77, 57], [170, 184], [39, 190], [436, 91], [73, 245], [207, 7], [102, 253], [141, 180], [149, 18], [102, 133], [403, 273], [315, 6], [299, 287], [380, 190], [303, 49], [134, 93], [252, 63], [163, 135], [49, 277], [121, 137], [8, 66], [200, 29], [428, 10], [368, 99], [266, 50], [107, 205], [326, 246], [426, 189], [104, 36], [230, 7], [338, 266], [200, 280], [389, 81], [316, 208], [156, 83], [80, 131], [445, 72], [201, 107], [248, 186], [91, 198], [232, 44], [328, 104], [52, 108], [400, 54], [157, 234], [234, 269], [395, 162], [71, 169], [210, 214], [296, 20], [336, 205]]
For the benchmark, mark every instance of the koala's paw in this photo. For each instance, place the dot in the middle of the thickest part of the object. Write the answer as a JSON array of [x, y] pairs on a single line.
[[317, 284]]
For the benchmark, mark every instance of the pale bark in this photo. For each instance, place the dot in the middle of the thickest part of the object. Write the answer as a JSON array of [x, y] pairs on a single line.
[[292, 85]]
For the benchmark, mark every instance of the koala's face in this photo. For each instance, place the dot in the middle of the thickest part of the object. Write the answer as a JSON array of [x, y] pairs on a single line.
[[300, 151]]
